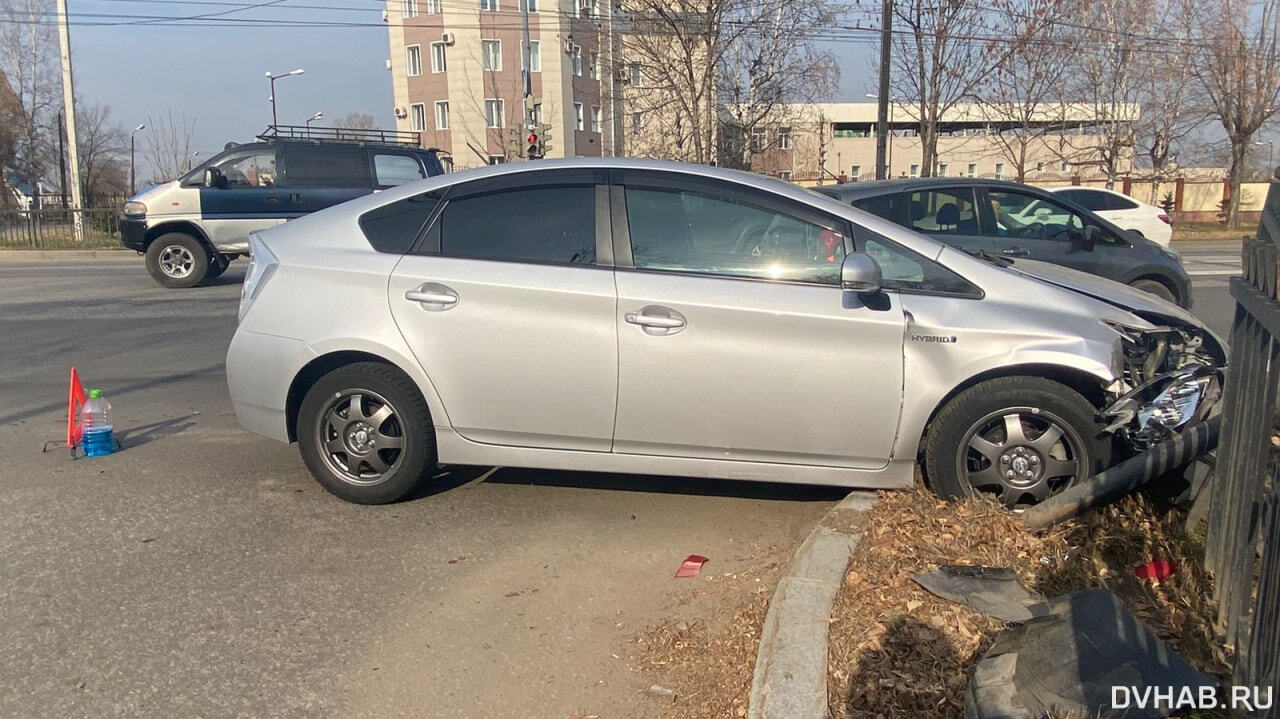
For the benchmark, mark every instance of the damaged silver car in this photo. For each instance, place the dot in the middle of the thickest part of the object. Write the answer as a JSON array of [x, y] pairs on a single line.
[[647, 317]]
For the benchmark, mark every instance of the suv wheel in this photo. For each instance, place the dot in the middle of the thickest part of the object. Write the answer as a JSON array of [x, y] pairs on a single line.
[[366, 434], [177, 260], [1020, 440], [1156, 288]]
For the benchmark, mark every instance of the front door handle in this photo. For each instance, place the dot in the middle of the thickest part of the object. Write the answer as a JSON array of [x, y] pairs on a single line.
[[433, 296], [1015, 252], [657, 320]]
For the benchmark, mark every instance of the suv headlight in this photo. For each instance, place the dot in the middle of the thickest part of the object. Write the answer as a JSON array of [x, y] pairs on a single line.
[[135, 209], [262, 265]]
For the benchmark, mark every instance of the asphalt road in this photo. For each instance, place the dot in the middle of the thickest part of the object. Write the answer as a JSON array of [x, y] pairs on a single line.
[[201, 572]]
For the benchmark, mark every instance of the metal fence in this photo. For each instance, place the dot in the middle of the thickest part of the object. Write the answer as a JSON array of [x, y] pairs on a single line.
[[55, 228], [1243, 545]]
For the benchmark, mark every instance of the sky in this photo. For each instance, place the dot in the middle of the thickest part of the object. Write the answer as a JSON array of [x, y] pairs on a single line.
[[215, 75]]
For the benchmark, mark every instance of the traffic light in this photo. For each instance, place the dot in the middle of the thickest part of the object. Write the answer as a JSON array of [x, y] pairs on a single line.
[[533, 148], [511, 141]]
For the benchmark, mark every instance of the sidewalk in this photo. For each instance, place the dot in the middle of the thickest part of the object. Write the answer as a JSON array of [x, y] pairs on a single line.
[[46, 255]]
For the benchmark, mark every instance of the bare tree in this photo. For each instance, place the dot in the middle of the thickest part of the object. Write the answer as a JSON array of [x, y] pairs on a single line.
[[102, 145], [1237, 66], [1166, 92], [29, 59], [12, 121], [356, 121], [167, 145]]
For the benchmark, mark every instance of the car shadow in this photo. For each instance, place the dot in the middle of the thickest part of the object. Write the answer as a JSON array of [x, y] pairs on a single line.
[[667, 485], [136, 436], [233, 276]]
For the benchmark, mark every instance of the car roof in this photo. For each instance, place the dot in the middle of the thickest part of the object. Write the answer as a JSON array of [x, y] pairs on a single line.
[[871, 188]]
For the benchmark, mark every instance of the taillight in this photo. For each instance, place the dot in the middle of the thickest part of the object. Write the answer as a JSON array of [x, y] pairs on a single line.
[[1164, 218]]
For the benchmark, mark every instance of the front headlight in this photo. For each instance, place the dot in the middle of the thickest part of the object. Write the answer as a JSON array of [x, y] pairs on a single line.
[[262, 265], [135, 209]]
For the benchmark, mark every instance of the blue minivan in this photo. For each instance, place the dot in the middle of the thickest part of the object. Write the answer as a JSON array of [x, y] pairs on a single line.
[[191, 229]]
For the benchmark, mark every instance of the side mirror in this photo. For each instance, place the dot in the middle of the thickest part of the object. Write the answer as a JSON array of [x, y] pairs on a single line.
[[1090, 238], [213, 177], [860, 273]]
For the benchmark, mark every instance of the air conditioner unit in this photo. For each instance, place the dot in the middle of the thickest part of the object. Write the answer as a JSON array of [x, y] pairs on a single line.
[[568, 47], [384, 16], [401, 113], [447, 38], [621, 75]]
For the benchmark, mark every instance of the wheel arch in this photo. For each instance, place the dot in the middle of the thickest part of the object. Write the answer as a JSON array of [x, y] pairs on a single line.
[[186, 227], [312, 371]]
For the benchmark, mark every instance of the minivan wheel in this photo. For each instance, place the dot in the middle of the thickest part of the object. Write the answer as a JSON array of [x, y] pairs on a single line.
[[1019, 440], [177, 260], [365, 433], [1156, 288]]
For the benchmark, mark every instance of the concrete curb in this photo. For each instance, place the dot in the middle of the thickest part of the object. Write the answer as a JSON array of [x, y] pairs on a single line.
[[790, 679], [46, 255]]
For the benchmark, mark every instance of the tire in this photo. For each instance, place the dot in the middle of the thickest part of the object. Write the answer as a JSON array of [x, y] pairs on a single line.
[[177, 260], [366, 458], [218, 266], [968, 453], [1156, 288]]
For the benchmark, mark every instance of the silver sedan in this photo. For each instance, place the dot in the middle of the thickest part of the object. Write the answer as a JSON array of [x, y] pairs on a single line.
[[659, 318]]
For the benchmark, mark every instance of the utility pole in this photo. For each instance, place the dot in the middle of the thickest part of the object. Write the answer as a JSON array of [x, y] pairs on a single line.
[[62, 161], [69, 107], [822, 148], [526, 72], [882, 99]]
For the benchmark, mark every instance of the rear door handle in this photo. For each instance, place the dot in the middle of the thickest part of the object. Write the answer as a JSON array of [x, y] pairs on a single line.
[[433, 296], [657, 320]]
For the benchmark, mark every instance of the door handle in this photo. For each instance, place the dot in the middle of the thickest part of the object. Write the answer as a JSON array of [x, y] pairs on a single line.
[[656, 320], [273, 198], [1015, 252], [433, 297]]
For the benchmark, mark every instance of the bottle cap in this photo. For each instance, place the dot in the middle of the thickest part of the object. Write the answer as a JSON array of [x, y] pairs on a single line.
[[95, 393]]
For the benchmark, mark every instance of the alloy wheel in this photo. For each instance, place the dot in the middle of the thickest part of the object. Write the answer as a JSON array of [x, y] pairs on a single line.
[[361, 437], [177, 261], [1021, 456]]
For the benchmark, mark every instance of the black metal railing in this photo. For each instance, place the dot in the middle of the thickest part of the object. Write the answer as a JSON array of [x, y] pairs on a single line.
[[55, 228], [1243, 543]]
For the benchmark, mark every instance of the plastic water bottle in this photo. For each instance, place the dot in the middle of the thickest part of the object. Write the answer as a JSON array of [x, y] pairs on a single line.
[[96, 416]]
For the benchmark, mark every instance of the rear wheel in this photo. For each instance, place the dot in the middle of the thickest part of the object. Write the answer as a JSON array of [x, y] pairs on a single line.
[[365, 433], [1019, 440], [1156, 288], [177, 260]]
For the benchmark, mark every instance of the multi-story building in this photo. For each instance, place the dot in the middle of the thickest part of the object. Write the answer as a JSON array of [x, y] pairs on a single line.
[[459, 76], [838, 141]]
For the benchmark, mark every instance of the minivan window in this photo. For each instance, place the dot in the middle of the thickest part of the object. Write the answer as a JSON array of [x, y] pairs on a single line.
[[327, 166], [943, 211], [536, 224], [390, 170], [393, 228], [253, 168], [683, 231]]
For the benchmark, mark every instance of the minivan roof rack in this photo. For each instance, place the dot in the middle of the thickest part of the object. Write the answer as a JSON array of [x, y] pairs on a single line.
[[341, 134]]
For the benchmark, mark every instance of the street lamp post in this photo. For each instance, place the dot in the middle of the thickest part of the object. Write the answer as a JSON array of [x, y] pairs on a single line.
[[272, 79], [133, 188], [313, 118], [1271, 152]]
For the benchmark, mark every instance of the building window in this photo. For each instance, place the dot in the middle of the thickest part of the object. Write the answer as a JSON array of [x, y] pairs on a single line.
[[855, 173], [637, 122], [533, 5], [759, 139], [411, 8], [494, 111], [535, 56], [973, 169], [785, 175], [942, 169], [489, 5], [442, 114], [496, 159], [586, 9], [577, 112], [417, 117], [784, 138], [413, 60], [637, 75], [1066, 166], [595, 66], [1039, 167], [999, 170], [575, 54], [437, 57], [915, 171], [434, 7], [597, 119], [491, 54]]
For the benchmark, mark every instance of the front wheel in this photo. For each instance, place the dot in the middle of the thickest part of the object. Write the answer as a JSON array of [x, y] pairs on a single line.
[[177, 260], [1156, 288], [1019, 440], [365, 433]]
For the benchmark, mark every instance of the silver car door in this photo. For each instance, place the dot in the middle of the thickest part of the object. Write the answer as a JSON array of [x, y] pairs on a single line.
[[735, 340], [511, 317]]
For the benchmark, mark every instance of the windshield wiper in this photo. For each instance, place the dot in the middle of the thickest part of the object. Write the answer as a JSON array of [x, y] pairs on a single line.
[[997, 260]]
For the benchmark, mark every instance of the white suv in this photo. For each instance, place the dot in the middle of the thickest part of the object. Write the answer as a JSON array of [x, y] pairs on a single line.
[[658, 318]]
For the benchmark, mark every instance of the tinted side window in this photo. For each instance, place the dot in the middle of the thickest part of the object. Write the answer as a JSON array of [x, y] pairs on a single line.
[[394, 227], [880, 206], [1092, 201], [908, 271], [329, 166], [1116, 202], [538, 224], [947, 212], [685, 231], [391, 170]]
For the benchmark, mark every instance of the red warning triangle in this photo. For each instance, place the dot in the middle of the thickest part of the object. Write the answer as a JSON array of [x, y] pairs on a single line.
[[75, 406]]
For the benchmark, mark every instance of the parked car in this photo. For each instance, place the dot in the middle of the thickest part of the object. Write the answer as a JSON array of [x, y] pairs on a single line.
[[1018, 221], [1137, 217], [650, 317], [191, 229]]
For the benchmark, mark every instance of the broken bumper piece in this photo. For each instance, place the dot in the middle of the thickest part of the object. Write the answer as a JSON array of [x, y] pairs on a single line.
[[1155, 410]]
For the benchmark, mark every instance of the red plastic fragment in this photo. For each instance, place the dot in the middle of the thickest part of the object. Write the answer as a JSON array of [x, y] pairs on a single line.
[[691, 566], [1157, 570]]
